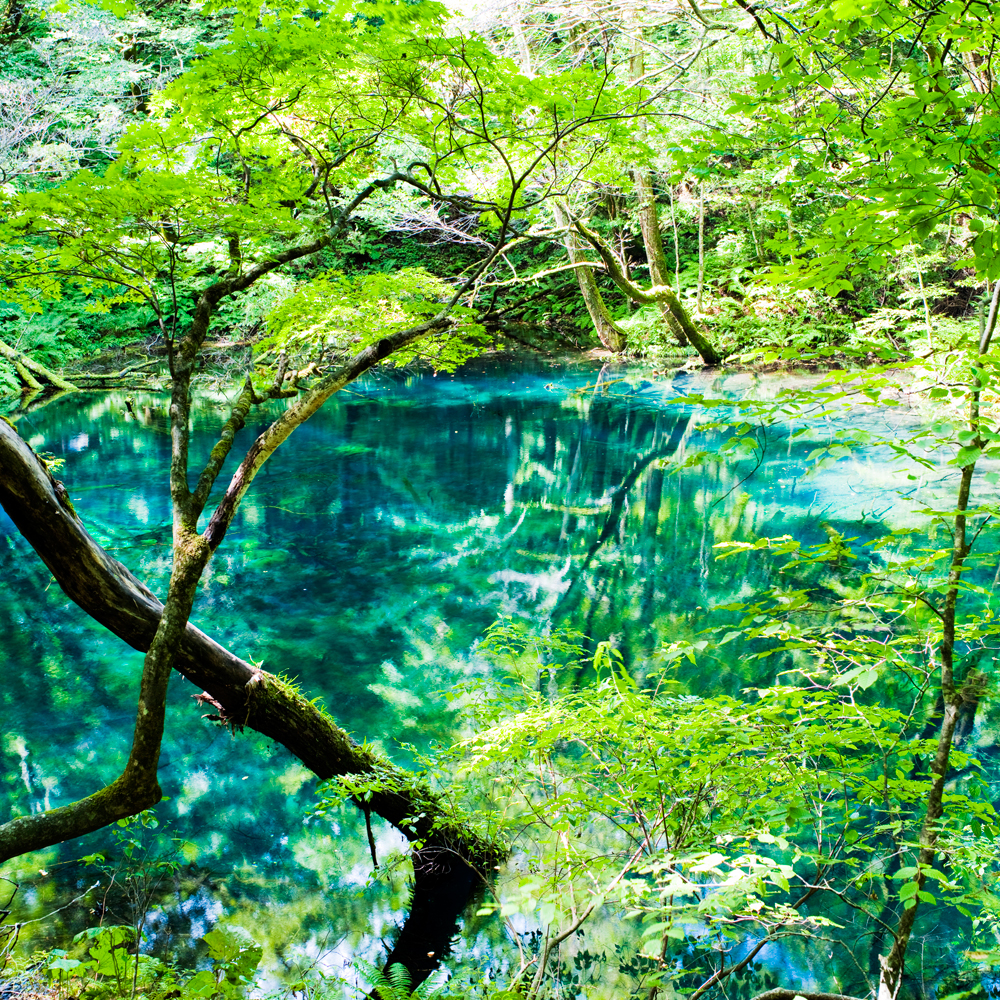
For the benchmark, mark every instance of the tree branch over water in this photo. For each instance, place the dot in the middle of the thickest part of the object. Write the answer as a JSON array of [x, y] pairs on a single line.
[[246, 696]]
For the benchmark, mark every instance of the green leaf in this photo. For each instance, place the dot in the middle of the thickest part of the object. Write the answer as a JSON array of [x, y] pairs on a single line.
[[202, 984], [64, 964], [966, 457]]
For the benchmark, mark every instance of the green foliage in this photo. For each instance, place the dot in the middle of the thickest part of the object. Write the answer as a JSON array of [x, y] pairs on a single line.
[[236, 957], [115, 968], [333, 313], [776, 175], [75, 76], [107, 960], [367, 104], [395, 983], [707, 818], [8, 932], [631, 794], [10, 383], [648, 333], [898, 145], [699, 817]]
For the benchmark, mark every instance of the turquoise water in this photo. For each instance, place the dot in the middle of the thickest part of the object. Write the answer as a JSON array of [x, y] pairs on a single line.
[[371, 554]]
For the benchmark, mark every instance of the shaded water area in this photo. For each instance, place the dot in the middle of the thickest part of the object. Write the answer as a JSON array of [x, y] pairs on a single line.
[[371, 554]]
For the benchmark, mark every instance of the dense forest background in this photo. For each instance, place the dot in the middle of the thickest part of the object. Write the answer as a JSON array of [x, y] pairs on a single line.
[[741, 160]]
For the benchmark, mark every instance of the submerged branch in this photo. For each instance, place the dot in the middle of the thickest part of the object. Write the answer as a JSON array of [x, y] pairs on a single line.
[[133, 371]]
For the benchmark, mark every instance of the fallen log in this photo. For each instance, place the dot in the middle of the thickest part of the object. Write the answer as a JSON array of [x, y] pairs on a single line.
[[134, 370], [27, 369]]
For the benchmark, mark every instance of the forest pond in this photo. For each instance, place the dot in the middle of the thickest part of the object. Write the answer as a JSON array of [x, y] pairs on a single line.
[[370, 556]]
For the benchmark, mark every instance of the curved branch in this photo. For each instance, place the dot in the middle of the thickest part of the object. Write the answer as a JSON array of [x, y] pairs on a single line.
[[610, 334], [300, 411], [650, 296], [40, 508]]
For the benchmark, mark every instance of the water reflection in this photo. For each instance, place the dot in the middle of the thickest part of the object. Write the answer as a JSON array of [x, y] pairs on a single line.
[[372, 553]]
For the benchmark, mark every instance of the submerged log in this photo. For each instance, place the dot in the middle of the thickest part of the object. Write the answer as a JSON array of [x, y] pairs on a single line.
[[243, 695]]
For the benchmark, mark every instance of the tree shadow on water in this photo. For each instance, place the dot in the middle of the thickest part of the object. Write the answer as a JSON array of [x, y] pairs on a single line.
[[444, 885]]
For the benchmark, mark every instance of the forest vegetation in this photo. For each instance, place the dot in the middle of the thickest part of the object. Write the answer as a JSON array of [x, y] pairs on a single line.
[[259, 205]]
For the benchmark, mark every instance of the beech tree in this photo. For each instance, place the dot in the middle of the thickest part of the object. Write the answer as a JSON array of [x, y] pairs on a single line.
[[254, 161], [549, 35]]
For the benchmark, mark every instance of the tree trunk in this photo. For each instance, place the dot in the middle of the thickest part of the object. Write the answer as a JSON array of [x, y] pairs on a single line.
[[701, 245], [523, 50], [136, 788], [244, 696], [190, 553], [677, 242], [12, 17], [893, 963], [658, 293], [609, 333], [649, 222], [652, 239]]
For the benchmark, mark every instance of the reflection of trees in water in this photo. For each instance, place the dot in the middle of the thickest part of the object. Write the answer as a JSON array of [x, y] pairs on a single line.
[[411, 521], [443, 886], [596, 526]]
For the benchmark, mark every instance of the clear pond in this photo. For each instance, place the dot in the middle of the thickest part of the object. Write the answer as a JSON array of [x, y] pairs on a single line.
[[366, 562]]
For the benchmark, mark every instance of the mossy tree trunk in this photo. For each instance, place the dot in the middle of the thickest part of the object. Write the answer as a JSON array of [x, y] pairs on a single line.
[[608, 332], [34, 376], [649, 222], [649, 296]]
